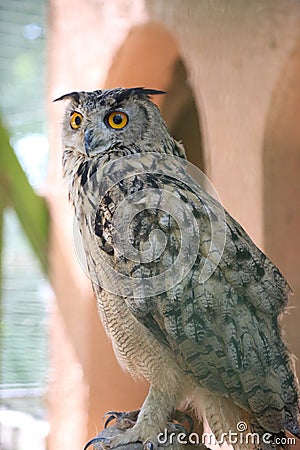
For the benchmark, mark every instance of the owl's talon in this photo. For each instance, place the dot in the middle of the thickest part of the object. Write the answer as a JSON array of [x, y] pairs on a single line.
[[111, 416], [181, 417], [149, 445], [177, 428], [124, 420], [93, 441], [108, 420]]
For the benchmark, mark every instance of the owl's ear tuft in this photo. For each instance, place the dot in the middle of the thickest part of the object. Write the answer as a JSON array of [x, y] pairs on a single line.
[[71, 95], [147, 92], [124, 93]]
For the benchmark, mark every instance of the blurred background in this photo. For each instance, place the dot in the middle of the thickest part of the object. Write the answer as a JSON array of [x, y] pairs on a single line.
[[232, 74], [25, 289]]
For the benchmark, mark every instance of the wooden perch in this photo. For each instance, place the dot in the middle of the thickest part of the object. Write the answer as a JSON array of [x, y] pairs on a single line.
[[112, 431]]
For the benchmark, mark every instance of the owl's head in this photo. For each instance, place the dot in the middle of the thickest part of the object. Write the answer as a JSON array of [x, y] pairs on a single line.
[[106, 120]]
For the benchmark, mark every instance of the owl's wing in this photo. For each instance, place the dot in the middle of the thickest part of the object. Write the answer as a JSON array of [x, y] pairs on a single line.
[[228, 335], [224, 328]]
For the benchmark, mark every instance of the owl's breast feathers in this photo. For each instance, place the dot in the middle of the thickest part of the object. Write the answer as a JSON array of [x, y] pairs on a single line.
[[224, 331]]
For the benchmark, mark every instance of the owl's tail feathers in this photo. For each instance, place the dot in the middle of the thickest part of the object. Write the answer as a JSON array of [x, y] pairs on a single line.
[[274, 441], [293, 425], [223, 415], [278, 440], [270, 428]]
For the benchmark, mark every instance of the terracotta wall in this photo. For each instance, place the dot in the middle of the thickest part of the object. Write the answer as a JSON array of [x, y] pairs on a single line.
[[233, 67]]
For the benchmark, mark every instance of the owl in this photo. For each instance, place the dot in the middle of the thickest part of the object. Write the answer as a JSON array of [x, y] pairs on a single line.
[[188, 300]]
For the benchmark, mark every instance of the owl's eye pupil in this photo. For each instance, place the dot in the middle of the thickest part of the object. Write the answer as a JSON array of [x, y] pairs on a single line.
[[78, 120], [117, 119]]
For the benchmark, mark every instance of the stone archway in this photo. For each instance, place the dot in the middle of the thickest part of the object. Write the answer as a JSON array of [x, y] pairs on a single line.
[[180, 112], [150, 57]]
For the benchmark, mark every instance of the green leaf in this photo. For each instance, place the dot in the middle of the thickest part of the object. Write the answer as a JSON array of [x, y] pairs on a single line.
[[16, 191]]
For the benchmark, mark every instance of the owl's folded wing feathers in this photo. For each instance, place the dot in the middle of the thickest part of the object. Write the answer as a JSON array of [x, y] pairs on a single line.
[[225, 330]]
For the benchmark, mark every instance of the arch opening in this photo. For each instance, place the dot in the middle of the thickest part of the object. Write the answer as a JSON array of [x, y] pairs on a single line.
[[150, 57]]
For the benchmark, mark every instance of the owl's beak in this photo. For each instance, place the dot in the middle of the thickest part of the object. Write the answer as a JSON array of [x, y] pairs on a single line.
[[94, 142], [88, 137]]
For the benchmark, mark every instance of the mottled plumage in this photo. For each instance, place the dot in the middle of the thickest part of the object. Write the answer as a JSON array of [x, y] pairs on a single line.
[[208, 335]]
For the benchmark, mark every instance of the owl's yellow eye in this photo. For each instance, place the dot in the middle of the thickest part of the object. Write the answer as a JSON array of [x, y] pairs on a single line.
[[117, 120], [75, 121]]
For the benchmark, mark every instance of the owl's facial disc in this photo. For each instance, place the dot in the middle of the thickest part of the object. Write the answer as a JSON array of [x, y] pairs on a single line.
[[105, 121]]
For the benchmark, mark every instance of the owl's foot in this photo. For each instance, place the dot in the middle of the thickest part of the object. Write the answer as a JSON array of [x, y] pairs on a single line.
[[149, 436], [132, 436], [141, 432], [133, 431], [125, 420]]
